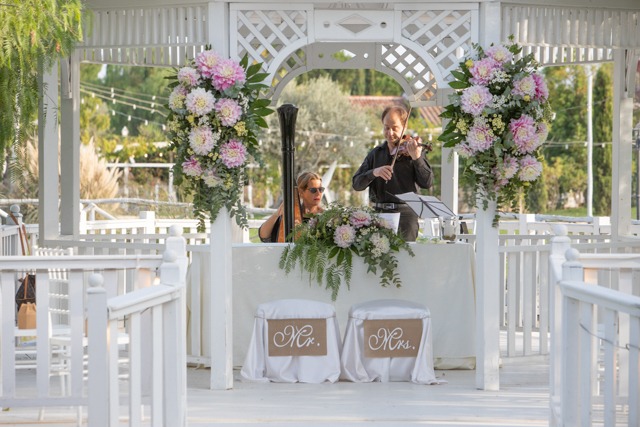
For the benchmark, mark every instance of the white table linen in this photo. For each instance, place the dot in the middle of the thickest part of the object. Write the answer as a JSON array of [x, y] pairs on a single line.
[[358, 368], [440, 276], [260, 367]]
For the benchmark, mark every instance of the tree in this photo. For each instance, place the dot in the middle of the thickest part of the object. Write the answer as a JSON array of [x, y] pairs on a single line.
[[33, 34], [602, 135]]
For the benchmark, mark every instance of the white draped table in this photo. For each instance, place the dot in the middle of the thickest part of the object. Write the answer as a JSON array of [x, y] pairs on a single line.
[[440, 276]]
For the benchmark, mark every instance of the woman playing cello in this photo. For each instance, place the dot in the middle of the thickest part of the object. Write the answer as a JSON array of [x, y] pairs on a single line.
[[309, 191]]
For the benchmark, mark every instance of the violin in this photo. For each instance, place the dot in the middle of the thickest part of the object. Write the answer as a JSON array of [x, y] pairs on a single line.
[[402, 148], [297, 216]]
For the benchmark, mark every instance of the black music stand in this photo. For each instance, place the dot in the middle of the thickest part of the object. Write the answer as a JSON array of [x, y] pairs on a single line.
[[426, 206]]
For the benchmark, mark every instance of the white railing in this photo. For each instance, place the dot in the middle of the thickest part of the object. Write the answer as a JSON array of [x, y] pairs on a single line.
[[60, 348], [156, 319], [595, 334]]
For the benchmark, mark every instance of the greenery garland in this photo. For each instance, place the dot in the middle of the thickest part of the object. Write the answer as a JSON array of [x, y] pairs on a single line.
[[324, 247]]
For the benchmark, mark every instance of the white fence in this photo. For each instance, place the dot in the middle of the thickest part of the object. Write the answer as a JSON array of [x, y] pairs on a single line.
[[595, 337], [60, 349], [525, 247]]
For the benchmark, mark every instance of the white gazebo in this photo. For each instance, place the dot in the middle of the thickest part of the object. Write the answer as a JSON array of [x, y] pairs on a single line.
[[418, 43]]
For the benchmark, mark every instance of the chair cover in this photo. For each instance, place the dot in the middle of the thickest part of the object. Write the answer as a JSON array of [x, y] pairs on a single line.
[[358, 368], [259, 366]]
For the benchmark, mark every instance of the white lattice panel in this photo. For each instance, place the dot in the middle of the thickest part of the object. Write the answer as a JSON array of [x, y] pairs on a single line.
[[268, 35], [160, 36], [445, 34], [571, 35]]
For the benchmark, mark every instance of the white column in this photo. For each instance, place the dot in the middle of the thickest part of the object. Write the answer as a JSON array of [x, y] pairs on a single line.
[[70, 146], [219, 27], [221, 341], [622, 147], [488, 265], [48, 153], [487, 301], [449, 178]]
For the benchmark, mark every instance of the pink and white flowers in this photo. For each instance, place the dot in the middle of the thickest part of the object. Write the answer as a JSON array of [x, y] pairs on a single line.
[[498, 119], [212, 124]]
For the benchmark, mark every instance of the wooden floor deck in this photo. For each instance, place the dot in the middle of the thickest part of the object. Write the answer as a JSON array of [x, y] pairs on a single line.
[[523, 400]]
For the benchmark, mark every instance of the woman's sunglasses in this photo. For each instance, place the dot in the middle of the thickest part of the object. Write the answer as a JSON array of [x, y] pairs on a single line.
[[315, 190]]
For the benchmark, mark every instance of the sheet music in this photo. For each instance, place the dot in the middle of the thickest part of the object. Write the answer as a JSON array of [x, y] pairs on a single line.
[[426, 206]]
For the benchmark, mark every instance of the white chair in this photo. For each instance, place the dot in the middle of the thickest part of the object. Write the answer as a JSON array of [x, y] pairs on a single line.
[[388, 340], [285, 333]]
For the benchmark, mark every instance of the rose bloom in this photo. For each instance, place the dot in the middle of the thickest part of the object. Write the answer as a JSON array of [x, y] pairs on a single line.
[[482, 71], [233, 153], [188, 76], [344, 236], [177, 98], [360, 219], [211, 179], [200, 102], [227, 73], [530, 168], [524, 86], [206, 61], [474, 99], [228, 110], [499, 53], [524, 133], [191, 167], [201, 140]]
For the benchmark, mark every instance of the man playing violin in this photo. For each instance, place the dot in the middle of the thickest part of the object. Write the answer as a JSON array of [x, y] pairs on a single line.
[[387, 171], [309, 190]]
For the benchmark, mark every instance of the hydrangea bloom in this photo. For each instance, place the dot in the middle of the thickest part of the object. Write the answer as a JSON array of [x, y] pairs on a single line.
[[188, 76], [206, 62], [201, 140], [344, 236], [233, 153], [200, 102], [228, 110], [474, 99], [530, 168], [227, 73], [380, 245]]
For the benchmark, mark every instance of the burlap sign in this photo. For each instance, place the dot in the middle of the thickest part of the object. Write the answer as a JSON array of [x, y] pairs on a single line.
[[392, 337], [297, 337]]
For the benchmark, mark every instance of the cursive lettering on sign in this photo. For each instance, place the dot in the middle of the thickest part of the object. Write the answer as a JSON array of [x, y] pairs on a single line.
[[295, 336], [389, 339], [392, 337]]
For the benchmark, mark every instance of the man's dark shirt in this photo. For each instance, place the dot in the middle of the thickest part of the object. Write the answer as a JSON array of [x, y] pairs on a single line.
[[408, 175]]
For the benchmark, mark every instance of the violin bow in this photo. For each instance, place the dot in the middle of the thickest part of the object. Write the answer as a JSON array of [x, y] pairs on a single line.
[[404, 128]]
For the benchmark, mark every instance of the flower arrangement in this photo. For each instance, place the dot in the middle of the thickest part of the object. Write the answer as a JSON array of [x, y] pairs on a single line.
[[325, 245], [215, 113], [498, 119]]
